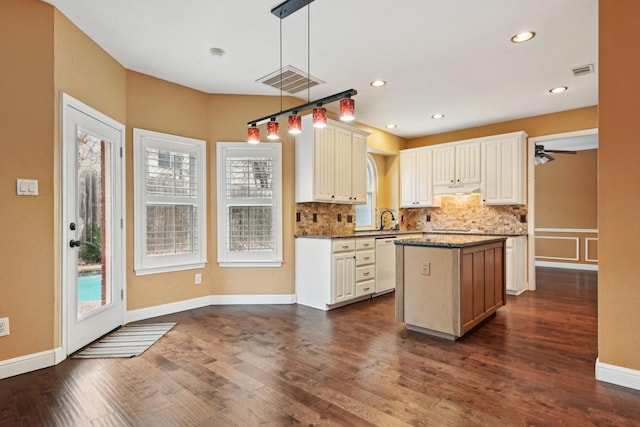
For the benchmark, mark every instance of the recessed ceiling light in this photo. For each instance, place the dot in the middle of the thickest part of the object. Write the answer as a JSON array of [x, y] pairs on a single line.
[[437, 116], [378, 83], [522, 37], [558, 89], [391, 126]]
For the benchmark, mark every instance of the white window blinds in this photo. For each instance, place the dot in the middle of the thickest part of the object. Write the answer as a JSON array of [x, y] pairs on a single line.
[[170, 215], [249, 204]]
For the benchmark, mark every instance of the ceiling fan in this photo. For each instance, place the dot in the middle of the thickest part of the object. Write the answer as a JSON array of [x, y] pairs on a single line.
[[543, 156]]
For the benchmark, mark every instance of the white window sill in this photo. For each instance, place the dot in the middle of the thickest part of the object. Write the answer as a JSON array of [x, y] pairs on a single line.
[[168, 269], [250, 264]]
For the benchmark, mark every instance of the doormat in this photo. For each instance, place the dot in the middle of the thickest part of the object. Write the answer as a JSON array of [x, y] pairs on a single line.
[[128, 341]]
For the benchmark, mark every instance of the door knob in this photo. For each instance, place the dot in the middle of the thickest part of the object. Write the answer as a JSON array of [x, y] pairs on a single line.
[[74, 243]]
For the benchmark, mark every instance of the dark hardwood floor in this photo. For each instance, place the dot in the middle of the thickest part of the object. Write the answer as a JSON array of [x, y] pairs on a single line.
[[532, 364]]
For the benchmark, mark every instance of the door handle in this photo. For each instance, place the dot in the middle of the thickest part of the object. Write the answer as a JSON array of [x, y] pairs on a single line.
[[74, 243]]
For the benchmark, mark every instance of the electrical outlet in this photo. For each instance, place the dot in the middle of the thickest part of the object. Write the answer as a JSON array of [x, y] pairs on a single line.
[[198, 279], [4, 326]]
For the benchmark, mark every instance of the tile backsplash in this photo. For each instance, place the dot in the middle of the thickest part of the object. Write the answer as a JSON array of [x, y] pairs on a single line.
[[464, 212], [459, 212]]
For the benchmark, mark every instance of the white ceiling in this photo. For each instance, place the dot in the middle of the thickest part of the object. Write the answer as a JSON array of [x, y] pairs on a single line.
[[452, 57]]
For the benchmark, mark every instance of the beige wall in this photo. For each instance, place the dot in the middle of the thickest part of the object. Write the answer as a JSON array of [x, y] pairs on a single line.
[[27, 261], [567, 198], [567, 191], [618, 205]]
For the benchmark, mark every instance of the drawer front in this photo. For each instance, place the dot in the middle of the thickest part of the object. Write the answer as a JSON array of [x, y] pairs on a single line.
[[343, 245], [365, 257], [365, 273], [365, 244], [365, 288]]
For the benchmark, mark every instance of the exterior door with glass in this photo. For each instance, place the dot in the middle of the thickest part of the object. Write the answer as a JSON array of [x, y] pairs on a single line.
[[93, 234]]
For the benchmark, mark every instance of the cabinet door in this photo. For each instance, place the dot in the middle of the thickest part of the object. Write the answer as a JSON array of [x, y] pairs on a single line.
[[423, 178], [324, 164], [343, 277], [359, 168], [509, 266], [407, 179], [444, 166], [503, 172], [343, 165], [468, 163]]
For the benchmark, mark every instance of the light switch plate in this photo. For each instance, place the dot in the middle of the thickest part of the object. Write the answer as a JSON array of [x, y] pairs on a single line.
[[27, 187], [426, 268]]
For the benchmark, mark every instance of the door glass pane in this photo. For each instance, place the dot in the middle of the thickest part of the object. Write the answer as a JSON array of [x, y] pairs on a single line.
[[94, 224]]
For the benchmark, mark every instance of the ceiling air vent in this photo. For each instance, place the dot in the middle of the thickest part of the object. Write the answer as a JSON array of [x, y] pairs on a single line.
[[581, 71], [293, 80]]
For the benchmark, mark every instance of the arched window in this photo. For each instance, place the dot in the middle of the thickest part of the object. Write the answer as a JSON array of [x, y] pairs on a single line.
[[366, 214]]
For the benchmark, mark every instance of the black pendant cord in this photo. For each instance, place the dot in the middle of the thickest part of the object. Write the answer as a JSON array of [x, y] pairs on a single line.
[[308, 53], [281, 65]]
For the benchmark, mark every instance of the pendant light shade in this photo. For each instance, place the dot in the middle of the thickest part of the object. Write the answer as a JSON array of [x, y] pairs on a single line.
[[319, 117], [295, 124], [347, 109], [273, 129], [254, 135]]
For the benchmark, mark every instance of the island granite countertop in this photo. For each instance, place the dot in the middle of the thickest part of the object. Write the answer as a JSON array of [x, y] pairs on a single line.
[[449, 240]]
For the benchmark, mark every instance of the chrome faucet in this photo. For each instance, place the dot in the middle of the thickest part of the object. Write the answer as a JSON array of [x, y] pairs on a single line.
[[392, 218]]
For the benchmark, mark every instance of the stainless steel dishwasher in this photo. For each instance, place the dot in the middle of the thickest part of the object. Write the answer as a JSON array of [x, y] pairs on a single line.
[[385, 265]]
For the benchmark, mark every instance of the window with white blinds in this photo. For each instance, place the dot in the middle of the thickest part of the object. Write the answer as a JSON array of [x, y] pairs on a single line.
[[170, 197], [249, 204]]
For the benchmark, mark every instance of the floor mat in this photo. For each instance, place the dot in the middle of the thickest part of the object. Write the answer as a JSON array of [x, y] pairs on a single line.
[[128, 341]]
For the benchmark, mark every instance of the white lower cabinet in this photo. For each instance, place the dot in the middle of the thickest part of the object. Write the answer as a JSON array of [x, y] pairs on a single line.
[[343, 267], [332, 272], [516, 265]]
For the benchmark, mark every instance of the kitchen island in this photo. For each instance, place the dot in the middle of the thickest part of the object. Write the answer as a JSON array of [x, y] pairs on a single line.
[[447, 284]]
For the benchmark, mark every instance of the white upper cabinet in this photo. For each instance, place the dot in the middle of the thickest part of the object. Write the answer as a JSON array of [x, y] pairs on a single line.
[[331, 163], [504, 169], [416, 178], [494, 165], [455, 166]]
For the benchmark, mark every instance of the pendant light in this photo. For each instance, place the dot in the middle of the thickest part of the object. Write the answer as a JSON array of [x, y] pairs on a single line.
[[319, 117], [347, 105], [254, 135], [273, 129], [295, 123], [347, 109]]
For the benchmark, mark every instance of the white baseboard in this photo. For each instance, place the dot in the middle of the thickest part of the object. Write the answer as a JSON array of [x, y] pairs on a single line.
[[164, 309], [567, 265], [252, 299], [617, 375], [175, 307], [30, 362]]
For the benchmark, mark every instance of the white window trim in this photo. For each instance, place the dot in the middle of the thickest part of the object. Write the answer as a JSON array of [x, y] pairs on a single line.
[[245, 260], [374, 195], [144, 265]]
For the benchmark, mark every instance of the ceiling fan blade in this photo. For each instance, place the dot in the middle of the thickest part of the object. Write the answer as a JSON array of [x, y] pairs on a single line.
[[560, 151]]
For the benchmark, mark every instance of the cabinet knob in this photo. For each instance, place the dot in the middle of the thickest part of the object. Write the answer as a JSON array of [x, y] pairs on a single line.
[[367, 257], [366, 273]]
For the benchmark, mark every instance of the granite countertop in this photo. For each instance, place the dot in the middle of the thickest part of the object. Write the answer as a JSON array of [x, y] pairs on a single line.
[[449, 240], [364, 233]]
